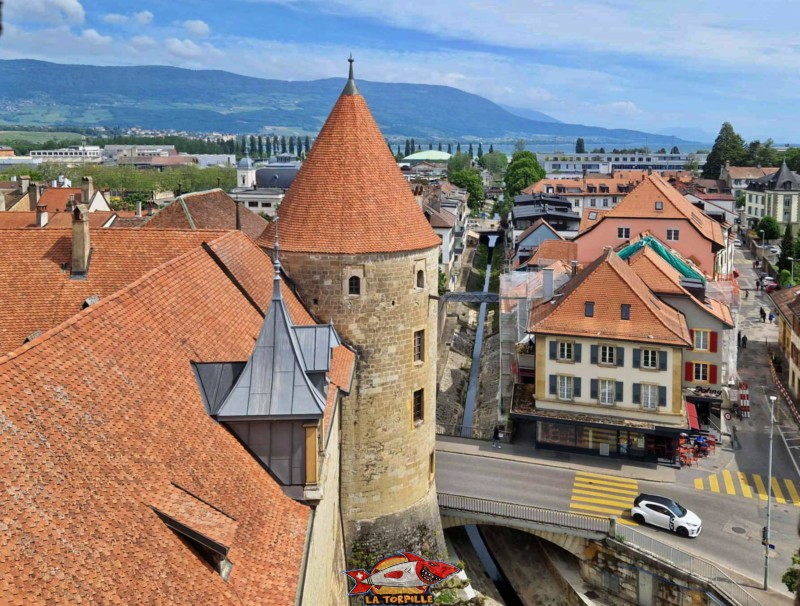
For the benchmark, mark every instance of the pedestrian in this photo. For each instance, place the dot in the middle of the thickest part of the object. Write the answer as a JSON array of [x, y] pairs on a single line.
[[746, 293], [763, 314], [771, 317], [758, 284], [739, 339], [496, 437], [744, 341]]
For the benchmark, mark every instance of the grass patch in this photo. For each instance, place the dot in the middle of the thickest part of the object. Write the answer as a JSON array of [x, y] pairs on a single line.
[[7, 136]]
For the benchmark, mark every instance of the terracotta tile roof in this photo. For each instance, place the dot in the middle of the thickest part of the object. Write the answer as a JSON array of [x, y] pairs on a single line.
[[580, 187], [349, 196], [102, 414], [555, 250], [38, 295], [536, 225], [212, 209], [56, 220], [590, 217], [56, 198], [438, 218], [784, 299], [640, 204], [750, 172], [609, 282]]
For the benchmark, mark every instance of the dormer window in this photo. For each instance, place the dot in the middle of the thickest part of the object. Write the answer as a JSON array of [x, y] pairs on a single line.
[[354, 286], [659, 205]]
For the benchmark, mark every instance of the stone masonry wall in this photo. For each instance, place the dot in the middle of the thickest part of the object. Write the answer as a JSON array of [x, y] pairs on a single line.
[[386, 458]]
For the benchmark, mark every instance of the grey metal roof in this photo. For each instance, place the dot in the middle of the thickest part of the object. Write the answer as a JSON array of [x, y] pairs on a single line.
[[316, 342], [275, 175], [777, 181], [350, 88], [274, 382]]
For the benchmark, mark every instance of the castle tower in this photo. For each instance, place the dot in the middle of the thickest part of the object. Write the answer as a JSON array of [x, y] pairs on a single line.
[[363, 256]]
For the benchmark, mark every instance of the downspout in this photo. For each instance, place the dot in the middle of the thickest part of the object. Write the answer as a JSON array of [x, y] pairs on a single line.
[[298, 600]]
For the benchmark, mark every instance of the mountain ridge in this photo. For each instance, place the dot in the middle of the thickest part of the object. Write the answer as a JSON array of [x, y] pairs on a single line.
[[165, 97]]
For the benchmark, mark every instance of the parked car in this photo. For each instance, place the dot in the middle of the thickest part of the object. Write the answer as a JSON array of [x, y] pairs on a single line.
[[771, 286], [737, 243], [775, 250], [765, 280], [666, 513]]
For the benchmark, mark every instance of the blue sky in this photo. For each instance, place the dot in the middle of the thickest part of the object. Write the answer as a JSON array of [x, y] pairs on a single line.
[[617, 63]]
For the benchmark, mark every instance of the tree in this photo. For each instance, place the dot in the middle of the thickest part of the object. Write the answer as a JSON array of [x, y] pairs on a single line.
[[491, 148], [792, 157], [661, 151], [291, 145], [728, 147], [458, 163], [308, 144], [770, 228], [762, 154], [458, 148], [519, 145], [268, 147], [449, 148], [480, 151], [413, 146], [674, 150], [430, 145], [408, 147], [283, 144], [496, 163], [253, 144], [523, 171], [470, 180], [260, 147], [787, 248], [691, 165], [470, 153], [580, 146], [275, 144], [440, 146]]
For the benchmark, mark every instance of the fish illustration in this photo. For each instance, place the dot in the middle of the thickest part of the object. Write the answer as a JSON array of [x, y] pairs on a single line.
[[415, 572]]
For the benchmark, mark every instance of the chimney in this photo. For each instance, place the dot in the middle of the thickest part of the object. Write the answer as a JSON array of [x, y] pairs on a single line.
[[71, 202], [138, 208], [24, 183], [80, 241], [41, 215], [547, 283], [87, 190], [727, 163], [574, 265], [33, 195]]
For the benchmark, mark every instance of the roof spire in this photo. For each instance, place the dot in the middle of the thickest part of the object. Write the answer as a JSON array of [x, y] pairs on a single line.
[[276, 280], [350, 88]]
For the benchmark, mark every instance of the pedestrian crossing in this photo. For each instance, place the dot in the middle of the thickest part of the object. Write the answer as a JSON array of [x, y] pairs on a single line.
[[750, 486], [600, 494]]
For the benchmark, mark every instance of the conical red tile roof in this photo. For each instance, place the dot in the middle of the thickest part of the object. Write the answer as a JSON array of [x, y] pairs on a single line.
[[349, 196]]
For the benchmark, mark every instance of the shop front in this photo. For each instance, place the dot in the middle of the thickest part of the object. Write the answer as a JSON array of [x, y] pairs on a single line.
[[644, 442]]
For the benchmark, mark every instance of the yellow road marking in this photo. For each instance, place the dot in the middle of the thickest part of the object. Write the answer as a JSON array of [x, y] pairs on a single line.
[[593, 493], [605, 488], [760, 488], [627, 522], [598, 476], [713, 483], [776, 490], [745, 486], [728, 479], [596, 482], [792, 492], [601, 502], [698, 483], [593, 508]]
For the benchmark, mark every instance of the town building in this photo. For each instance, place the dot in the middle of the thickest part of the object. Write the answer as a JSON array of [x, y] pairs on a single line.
[[72, 155], [6, 151], [528, 209], [776, 195], [589, 192], [787, 302], [526, 242], [658, 208], [261, 186], [429, 156], [114, 152], [573, 165], [737, 178]]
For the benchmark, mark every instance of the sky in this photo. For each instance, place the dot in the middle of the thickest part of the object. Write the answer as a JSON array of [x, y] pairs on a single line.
[[654, 66]]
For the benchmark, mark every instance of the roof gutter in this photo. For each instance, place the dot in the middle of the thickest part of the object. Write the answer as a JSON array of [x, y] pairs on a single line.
[[298, 599]]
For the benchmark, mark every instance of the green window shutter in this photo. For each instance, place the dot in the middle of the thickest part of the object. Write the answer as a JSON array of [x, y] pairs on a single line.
[[620, 394], [593, 354], [620, 356], [662, 360], [593, 389], [576, 387], [553, 386], [637, 358], [662, 396], [553, 350], [637, 393], [577, 349]]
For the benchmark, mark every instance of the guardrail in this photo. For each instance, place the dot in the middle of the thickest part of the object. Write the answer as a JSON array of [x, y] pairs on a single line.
[[631, 537], [463, 431]]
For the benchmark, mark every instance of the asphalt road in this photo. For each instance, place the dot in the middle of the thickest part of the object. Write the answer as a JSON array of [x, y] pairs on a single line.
[[732, 525]]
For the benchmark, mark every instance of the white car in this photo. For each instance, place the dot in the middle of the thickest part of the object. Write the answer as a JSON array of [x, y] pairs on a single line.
[[774, 250], [666, 513], [737, 243]]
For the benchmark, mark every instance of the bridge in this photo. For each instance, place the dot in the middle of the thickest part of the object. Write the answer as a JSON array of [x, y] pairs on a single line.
[[471, 297], [571, 532]]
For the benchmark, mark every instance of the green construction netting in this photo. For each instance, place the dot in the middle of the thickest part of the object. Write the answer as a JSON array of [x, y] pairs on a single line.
[[684, 269]]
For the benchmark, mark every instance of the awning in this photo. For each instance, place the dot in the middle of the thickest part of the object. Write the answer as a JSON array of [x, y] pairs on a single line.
[[691, 412]]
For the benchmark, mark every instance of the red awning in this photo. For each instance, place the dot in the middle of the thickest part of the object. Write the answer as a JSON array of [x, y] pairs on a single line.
[[691, 412]]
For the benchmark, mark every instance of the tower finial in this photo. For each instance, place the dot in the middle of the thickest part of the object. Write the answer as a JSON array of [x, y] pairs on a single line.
[[350, 87], [276, 280]]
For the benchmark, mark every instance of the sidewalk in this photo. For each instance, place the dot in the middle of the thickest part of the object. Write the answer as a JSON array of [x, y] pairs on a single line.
[[574, 462]]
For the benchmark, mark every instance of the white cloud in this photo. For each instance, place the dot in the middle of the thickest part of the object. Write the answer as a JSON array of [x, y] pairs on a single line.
[[143, 17], [143, 41], [187, 49], [45, 11], [115, 18], [625, 108], [197, 27], [93, 37]]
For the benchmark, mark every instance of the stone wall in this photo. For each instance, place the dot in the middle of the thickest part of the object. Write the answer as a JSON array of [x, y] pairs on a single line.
[[324, 581], [387, 459]]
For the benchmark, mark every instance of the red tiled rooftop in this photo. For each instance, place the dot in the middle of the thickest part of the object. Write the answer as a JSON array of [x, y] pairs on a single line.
[[55, 220], [350, 197], [102, 416], [56, 198], [37, 295]]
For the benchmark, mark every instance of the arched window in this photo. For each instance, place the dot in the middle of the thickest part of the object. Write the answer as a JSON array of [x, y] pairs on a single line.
[[354, 285], [420, 279]]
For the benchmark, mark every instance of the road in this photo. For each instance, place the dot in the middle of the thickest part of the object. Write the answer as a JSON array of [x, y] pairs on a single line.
[[732, 524]]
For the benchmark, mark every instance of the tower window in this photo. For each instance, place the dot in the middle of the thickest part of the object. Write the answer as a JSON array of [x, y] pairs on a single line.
[[419, 346], [354, 285], [420, 279], [419, 406]]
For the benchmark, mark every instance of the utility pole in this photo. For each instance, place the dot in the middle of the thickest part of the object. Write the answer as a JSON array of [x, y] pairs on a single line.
[[769, 493]]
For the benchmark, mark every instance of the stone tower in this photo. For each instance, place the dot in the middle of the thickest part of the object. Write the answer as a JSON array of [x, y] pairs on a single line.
[[363, 256]]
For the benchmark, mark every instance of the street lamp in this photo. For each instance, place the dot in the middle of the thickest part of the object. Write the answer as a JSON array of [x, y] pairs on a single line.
[[769, 493], [763, 254], [792, 260]]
